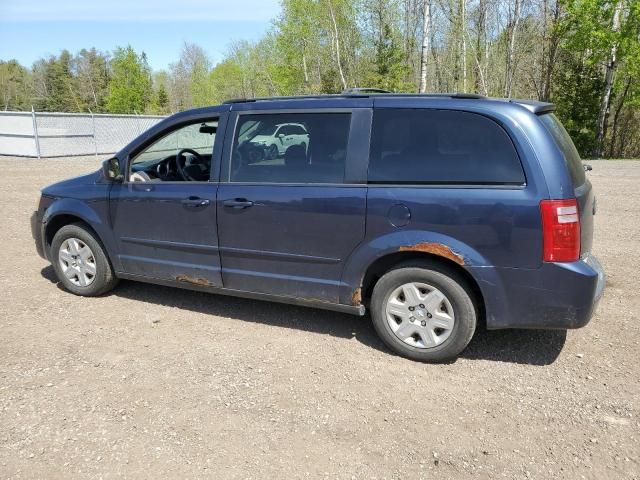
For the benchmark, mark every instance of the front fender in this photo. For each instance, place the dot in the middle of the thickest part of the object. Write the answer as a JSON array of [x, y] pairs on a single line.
[[405, 241], [94, 213]]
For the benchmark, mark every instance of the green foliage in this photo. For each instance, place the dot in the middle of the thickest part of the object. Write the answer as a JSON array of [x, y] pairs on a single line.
[[67, 83], [14, 86], [315, 46], [56, 85], [630, 47], [227, 81], [589, 38], [390, 70], [190, 78], [91, 69], [130, 83], [162, 99], [577, 101], [296, 44], [561, 50]]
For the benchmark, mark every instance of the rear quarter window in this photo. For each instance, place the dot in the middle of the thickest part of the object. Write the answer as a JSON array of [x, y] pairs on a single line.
[[566, 146], [441, 147]]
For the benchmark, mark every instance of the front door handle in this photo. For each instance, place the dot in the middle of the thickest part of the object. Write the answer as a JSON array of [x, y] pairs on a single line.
[[195, 202], [238, 203]]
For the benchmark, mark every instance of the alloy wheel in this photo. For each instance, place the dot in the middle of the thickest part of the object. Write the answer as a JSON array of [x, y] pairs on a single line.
[[77, 262], [420, 315]]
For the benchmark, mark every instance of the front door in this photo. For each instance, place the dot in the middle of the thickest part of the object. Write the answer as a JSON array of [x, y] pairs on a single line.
[[288, 224], [164, 213]]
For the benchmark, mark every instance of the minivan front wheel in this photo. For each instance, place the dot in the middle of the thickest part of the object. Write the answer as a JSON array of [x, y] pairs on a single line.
[[80, 262], [424, 313]]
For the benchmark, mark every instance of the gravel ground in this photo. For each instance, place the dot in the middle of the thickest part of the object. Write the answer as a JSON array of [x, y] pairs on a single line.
[[152, 382]]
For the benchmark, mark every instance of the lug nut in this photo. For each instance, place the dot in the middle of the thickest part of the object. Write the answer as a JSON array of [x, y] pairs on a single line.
[[421, 305], [411, 319], [411, 309], [424, 324], [429, 315]]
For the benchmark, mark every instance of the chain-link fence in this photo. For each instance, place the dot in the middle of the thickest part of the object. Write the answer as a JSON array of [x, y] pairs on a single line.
[[34, 134]]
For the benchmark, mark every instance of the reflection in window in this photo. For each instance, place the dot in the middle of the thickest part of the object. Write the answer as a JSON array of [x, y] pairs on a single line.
[[290, 148]]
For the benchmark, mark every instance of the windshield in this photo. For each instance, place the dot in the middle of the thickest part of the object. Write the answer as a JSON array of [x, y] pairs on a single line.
[[565, 144]]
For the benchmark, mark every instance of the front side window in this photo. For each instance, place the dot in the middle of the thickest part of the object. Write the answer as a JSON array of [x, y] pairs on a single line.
[[183, 154], [290, 148], [441, 147]]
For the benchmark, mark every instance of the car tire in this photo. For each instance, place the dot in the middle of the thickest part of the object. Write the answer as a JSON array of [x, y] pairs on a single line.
[[255, 154], [272, 152], [80, 261], [441, 328]]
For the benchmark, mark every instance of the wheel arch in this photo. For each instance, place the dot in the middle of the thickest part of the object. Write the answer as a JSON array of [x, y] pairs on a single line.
[[373, 258], [391, 261], [68, 211], [55, 223]]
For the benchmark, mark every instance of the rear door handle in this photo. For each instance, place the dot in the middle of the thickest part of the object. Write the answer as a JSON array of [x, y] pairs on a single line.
[[195, 202], [238, 203]]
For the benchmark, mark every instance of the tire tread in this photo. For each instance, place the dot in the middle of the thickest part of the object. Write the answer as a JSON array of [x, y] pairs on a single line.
[[454, 286]]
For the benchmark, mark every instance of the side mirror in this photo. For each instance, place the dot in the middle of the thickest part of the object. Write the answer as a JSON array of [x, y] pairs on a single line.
[[111, 170], [281, 136]]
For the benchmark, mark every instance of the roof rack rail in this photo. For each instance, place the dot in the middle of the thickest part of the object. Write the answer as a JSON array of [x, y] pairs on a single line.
[[357, 92], [363, 90], [238, 100], [291, 97], [470, 96]]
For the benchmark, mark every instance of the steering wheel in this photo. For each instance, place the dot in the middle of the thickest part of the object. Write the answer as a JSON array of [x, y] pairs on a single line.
[[182, 170]]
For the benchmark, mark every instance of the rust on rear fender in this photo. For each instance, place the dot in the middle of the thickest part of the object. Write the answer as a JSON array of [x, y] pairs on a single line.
[[435, 249]]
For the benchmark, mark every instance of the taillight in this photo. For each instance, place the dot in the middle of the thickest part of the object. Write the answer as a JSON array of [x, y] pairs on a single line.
[[561, 230]]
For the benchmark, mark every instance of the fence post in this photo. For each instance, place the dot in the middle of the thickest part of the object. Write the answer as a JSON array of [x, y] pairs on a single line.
[[137, 120], [93, 126], [35, 131]]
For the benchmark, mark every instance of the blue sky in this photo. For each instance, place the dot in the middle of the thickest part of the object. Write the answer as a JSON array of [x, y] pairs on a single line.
[[30, 29]]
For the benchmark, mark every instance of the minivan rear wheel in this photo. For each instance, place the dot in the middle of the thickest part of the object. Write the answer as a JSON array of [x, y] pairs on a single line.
[[80, 262], [424, 313]]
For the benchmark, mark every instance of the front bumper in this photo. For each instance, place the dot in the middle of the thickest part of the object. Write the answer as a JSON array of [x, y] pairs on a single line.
[[37, 234], [554, 296]]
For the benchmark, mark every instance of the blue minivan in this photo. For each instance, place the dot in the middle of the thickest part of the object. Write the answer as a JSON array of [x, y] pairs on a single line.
[[431, 212]]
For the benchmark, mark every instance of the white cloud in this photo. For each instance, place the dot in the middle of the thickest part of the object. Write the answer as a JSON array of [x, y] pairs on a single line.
[[139, 10]]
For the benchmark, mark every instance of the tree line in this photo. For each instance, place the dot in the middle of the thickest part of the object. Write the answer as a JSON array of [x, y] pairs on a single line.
[[583, 55]]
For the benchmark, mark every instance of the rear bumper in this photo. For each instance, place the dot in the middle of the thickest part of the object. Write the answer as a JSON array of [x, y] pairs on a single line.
[[554, 296], [593, 262]]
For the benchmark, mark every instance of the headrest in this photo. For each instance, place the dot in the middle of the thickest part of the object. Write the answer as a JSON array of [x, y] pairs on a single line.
[[295, 156]]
